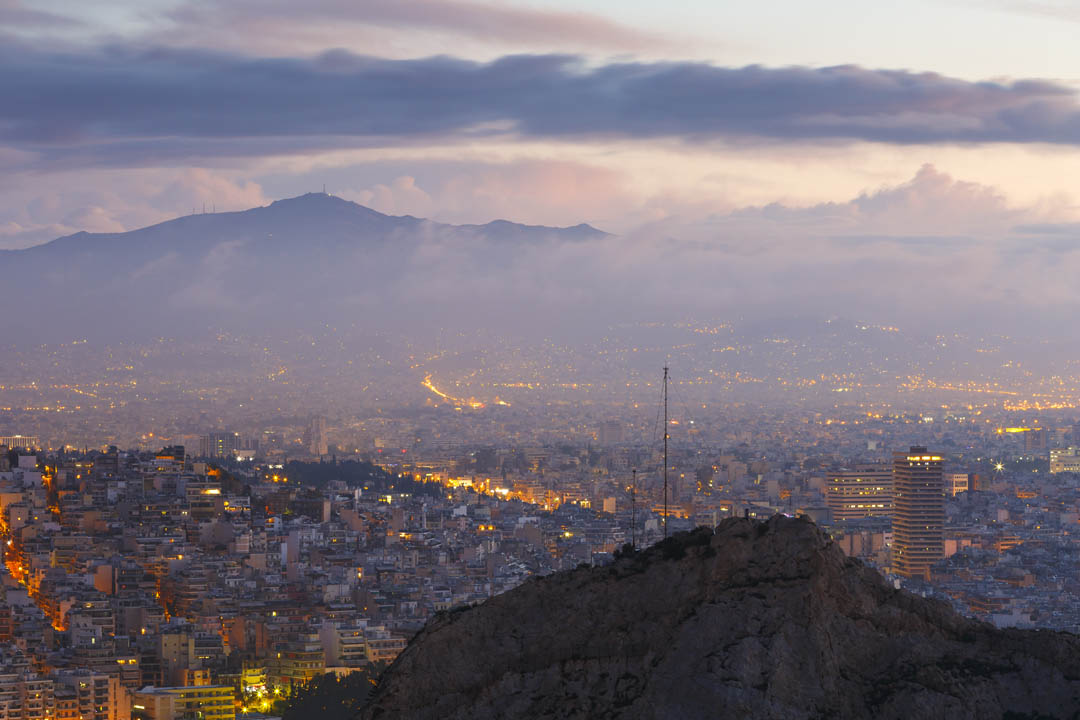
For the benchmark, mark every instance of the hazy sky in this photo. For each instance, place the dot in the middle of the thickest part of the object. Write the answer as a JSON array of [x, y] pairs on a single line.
[[920, 119]]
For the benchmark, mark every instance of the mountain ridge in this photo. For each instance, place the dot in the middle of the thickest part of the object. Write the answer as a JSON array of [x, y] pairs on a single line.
[[308, 202], [272, 269]]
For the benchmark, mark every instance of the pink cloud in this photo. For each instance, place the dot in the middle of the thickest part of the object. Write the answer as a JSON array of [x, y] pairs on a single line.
[[277, 25], [196, 187], [541, 192]]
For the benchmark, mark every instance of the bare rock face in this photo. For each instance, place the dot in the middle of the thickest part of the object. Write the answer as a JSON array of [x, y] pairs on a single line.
[[757, 620]]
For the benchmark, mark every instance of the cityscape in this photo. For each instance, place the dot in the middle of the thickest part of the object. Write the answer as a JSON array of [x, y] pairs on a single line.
[[469, 359], [224, 570]]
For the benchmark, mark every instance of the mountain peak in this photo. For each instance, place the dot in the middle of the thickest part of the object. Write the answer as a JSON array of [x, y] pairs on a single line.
[[313, 198], [754, 619], [321, 201]]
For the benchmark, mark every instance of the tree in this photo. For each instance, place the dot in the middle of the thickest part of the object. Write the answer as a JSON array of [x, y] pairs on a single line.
[[330, 697]]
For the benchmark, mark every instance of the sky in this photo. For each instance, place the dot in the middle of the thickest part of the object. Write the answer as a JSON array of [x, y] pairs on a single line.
[[764, 122]]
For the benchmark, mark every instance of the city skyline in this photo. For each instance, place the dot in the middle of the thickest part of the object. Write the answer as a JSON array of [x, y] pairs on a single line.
[[996, 545]]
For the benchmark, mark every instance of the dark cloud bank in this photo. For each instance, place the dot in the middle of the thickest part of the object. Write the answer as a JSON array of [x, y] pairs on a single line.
[[67, 99]]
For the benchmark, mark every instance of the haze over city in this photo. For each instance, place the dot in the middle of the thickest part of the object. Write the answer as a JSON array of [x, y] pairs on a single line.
[[332, 326]]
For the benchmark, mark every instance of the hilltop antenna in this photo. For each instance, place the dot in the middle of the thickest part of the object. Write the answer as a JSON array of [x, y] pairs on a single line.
[[665, 450], [633, 511], [324, 188]]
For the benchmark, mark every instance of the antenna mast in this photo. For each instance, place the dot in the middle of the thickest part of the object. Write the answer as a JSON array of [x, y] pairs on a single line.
[[633, 511], [665, 450]]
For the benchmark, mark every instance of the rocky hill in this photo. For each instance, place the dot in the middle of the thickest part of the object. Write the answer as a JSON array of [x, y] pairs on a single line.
[[757, 620]]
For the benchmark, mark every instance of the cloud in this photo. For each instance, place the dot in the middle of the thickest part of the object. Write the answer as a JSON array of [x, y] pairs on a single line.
[[932, 203], [93, 219], [401, 197], [208, 288], [531, 191], [15, 15], [199, 187], [933, 252], [114, 201], [1053, 10], [14, 236], [285, 24], [1049, 229], [119, 103]]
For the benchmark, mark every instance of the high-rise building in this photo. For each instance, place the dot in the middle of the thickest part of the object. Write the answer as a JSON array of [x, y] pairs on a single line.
[[316, 436], [1035, 440], [219, 445], [859, 492], [918, 512]]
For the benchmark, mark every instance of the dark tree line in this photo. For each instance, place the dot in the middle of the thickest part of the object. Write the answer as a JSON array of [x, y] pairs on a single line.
[[357, 474], [330, 697]]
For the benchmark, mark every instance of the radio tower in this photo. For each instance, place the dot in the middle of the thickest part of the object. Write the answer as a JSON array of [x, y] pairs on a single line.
[[665, 450]]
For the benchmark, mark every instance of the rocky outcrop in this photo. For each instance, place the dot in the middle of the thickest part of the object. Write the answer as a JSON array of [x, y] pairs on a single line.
[[754, 620]]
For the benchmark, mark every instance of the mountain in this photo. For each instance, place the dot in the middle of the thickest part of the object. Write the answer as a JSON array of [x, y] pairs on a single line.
[[310, 259], [315, 217], [759, 620]]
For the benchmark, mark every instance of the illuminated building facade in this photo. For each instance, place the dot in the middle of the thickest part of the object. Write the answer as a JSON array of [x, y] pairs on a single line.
[[210, 702], [23, 694], [219, 445], [20, 442], [1065, 459], [918, 512], [956, 483], [84, 694], [298, 661], [860, 492]]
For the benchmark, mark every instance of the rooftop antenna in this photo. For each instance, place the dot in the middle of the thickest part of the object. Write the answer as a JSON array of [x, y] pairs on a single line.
[[665, 450]]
